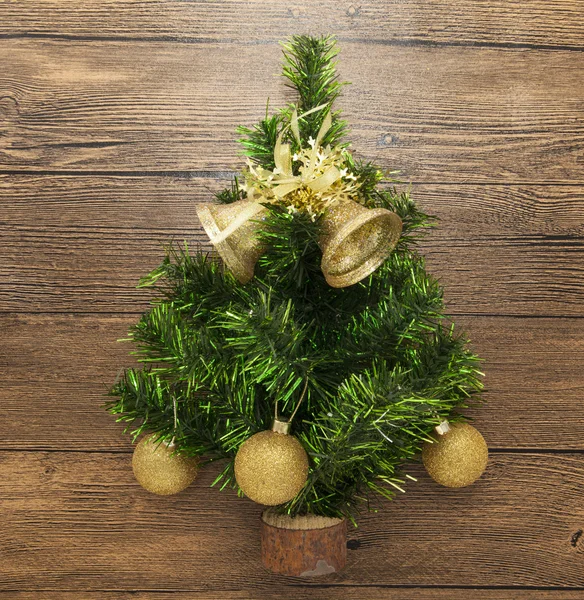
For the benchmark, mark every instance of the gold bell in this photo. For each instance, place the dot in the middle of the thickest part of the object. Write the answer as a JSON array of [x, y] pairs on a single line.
[[232, 229], [355, 240]]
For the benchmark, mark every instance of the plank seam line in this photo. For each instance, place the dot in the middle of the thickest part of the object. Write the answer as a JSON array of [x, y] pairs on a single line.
[[414, 586], [228, 175], [175, 233], [396, 42], [41, 450], [416, 42], [200, 174], [308, 585], [136, 313]]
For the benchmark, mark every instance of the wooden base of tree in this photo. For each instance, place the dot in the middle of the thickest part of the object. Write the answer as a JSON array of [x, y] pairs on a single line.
[[306, 546]]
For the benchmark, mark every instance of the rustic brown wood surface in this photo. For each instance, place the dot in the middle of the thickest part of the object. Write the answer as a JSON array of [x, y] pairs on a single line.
[[117, 116], [480, 22], [533, 369], [79, 520], [89, 239], [319, 593], [163, 106]]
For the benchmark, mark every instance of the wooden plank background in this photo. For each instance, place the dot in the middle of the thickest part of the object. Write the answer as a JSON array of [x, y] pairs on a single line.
[[117, 116]]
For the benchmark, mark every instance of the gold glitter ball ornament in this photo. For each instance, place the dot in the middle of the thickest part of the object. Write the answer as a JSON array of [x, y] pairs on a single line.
[[271, 468], [159, 470], [457, 458]]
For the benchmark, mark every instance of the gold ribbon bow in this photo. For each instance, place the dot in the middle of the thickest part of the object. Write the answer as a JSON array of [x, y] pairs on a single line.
[[284, 180], [354, 239]]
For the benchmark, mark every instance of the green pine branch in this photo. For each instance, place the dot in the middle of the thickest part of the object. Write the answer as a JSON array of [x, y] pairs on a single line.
[[259, 141], [378, 356], [309, 67]]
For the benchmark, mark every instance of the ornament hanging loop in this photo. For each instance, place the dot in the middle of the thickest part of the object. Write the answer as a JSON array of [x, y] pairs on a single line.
[[171, 444], [443, 428], [300, 400], [283, 427], [280, 426]]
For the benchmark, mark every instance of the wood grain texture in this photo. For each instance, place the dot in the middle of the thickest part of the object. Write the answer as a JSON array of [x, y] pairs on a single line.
[[166, 203], [437, 114], [518, 526], [314, 592], [116, 116], [57, 369], [82, 243], [498, 22]]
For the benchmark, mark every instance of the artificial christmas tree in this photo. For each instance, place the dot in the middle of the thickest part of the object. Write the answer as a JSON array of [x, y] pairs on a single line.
[[315, 359]]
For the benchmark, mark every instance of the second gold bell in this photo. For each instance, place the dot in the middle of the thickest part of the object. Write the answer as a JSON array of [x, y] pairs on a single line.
[[355, 240]]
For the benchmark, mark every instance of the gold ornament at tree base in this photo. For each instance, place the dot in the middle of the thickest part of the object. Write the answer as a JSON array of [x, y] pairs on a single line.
[[160, 470], [232, 229], [355, 241], [271, 467], [458, 457]]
